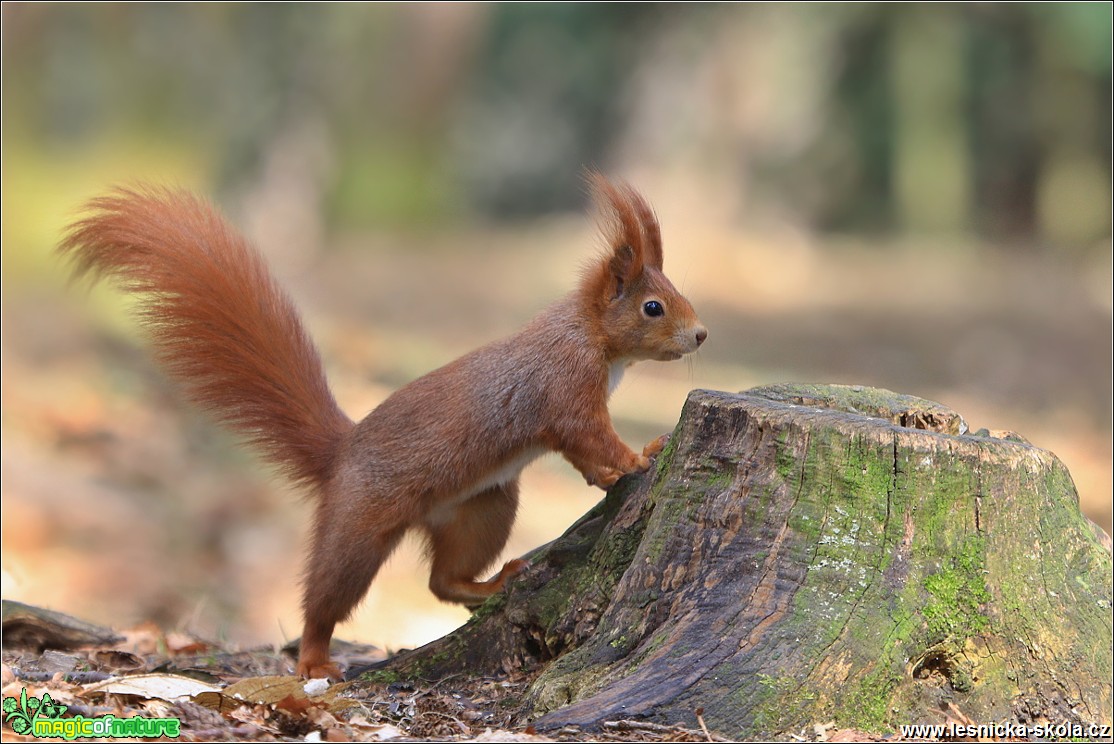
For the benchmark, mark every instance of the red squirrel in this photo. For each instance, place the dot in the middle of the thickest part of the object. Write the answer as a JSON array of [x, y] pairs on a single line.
[[442, 454]]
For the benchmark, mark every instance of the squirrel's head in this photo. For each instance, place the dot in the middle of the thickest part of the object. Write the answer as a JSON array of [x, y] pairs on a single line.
[[640, 314]]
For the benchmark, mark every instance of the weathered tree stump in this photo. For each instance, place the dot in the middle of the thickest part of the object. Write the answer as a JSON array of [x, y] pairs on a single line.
[[800, 555]]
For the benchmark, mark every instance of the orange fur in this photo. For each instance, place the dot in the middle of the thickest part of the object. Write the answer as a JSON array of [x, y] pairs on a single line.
[[443, 453], [220, 324]]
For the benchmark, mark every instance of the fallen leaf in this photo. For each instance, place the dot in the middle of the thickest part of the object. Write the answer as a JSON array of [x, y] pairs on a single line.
[[296, 705], [266, 690], [180, 643], [275, 691], [497, 735], [171, 687], [110, 659]]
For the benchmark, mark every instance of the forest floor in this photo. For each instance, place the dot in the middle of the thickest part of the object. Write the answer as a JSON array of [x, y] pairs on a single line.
[[207, 693]]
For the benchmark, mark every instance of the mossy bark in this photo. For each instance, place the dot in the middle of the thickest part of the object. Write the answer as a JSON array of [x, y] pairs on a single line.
[[800, 555]]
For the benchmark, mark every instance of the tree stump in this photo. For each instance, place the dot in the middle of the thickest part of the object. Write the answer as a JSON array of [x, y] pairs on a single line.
[[805, 555]]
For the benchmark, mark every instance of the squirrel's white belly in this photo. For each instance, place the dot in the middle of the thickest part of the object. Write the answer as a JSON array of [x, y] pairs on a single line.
[[443, 512]]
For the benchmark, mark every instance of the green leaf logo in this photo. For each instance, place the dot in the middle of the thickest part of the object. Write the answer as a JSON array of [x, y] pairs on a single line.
[[21, 714], [20, 724]]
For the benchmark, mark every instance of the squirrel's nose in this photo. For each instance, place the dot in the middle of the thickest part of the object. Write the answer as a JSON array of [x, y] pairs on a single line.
[[701, 334]]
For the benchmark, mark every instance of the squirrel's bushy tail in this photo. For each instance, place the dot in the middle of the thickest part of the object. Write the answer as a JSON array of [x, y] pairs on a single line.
[[221, 325]]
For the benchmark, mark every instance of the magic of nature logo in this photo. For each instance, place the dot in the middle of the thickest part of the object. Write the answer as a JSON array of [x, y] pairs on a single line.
[[28, 715]]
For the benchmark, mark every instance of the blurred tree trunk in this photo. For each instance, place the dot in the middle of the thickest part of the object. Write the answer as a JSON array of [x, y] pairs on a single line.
[[806, 555]]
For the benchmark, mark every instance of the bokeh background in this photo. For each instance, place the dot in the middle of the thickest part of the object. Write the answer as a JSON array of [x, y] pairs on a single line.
[[911, 196]]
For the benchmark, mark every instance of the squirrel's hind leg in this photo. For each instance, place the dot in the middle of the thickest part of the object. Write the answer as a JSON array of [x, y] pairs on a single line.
[[469, 541], [344, 558]]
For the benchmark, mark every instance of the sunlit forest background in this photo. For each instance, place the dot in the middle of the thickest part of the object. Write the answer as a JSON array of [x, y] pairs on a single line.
[[909, 196]]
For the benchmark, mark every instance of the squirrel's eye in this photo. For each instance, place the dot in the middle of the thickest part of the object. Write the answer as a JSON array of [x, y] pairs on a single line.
[[653, 309]]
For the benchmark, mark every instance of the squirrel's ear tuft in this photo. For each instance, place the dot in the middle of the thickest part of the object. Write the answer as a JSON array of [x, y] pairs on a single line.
[[621, 266], [627, 223]]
